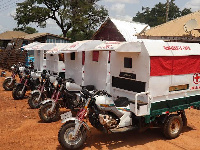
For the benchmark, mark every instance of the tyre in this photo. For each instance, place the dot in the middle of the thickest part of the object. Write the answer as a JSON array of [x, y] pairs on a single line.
[[9, 84], [65, 136], [33, 100], [17, 92], [46, 115], [172, 127]]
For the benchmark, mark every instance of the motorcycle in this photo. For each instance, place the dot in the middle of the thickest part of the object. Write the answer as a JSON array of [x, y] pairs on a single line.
[[28, 83], [10, 82], [44, 91], [104, 114], [70, 94]]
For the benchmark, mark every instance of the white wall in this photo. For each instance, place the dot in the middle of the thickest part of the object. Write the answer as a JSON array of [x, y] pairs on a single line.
[[73, 68], [53, 64], [140, 67], [97, 73]]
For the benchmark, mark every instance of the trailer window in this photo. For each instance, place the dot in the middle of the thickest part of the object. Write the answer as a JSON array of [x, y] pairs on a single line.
[[73, 56], [61, 57], [127, 62]]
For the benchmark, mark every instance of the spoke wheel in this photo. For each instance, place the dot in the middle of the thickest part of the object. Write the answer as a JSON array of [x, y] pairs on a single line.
[[47, 115], [66, 139]]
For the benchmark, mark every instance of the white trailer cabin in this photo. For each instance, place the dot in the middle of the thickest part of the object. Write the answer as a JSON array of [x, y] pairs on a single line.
[[55, 59], [75, 59], [157, 76], [97, 65], [39, 53]]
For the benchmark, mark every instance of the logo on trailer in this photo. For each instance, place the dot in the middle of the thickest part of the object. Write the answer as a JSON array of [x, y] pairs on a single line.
[[196, 78], [177, 48]]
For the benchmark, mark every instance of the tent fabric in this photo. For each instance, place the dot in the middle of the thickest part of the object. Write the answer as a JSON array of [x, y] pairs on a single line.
[[174, 65]]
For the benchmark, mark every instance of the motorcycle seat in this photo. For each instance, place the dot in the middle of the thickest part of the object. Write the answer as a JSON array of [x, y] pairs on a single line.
[[89, 87], [122, 102]]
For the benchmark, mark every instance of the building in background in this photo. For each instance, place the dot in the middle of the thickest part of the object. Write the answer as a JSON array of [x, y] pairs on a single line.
[[182, 29], [118, 30]]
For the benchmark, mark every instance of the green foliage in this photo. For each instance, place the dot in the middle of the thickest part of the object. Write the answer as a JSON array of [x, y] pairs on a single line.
[[28, 30], [157, 15], [76, 15], [79, 35]]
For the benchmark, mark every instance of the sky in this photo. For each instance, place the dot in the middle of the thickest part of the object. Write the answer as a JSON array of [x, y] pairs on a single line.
[[119, 9]]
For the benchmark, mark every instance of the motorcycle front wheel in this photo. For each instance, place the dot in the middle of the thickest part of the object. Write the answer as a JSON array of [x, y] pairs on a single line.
[[34, 101], [45, 113], [9, 84], [17, 92], [65, 136]]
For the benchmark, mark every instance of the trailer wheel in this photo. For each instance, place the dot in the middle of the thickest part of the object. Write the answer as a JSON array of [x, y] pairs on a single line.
[[172, 127]]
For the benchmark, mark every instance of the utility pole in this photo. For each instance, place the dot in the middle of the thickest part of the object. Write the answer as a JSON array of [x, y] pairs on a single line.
[[167, 10]]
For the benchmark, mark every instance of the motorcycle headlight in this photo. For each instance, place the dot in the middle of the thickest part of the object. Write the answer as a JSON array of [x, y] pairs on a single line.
[[55, 84]]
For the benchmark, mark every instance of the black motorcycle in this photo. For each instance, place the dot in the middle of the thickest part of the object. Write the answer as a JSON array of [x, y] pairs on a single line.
[[66, 95], [10, 82], [28, 83], [44, 91]]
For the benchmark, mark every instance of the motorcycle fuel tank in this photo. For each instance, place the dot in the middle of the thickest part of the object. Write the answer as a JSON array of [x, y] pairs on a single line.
[[73, 86], [104, 100]]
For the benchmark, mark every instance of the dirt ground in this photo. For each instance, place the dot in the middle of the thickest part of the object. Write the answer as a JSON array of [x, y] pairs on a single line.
[[21, 129]]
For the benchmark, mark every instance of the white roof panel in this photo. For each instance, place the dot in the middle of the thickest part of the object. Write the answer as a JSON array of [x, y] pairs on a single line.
[[129, 29], [43, 46], [29, 46], [59, 48], [119, 46], [161, 48], [86, 45], [183, 49]]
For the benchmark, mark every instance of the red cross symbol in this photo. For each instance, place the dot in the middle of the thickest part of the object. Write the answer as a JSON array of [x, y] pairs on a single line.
[[196, 78]]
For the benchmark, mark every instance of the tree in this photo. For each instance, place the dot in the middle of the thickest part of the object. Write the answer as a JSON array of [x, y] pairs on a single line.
[[157, 15], [79, 36], [28, 30], [75, 15]]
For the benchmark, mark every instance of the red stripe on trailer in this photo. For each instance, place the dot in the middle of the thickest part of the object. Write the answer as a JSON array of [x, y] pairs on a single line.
[[83, 58], [95, 56], [174, 65]]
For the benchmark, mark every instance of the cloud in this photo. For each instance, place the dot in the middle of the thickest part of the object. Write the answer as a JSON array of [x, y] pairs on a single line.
[[123, 1], [193, 4], [118, 8], [124, 17], [12, 13], [2, 29]]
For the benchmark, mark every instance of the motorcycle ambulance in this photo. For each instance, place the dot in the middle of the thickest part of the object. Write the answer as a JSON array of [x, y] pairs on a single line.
[[151, 83]]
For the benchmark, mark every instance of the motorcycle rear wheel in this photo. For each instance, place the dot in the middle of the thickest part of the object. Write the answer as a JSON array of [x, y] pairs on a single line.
[[47, 116], [8, 85], [65, 136]]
